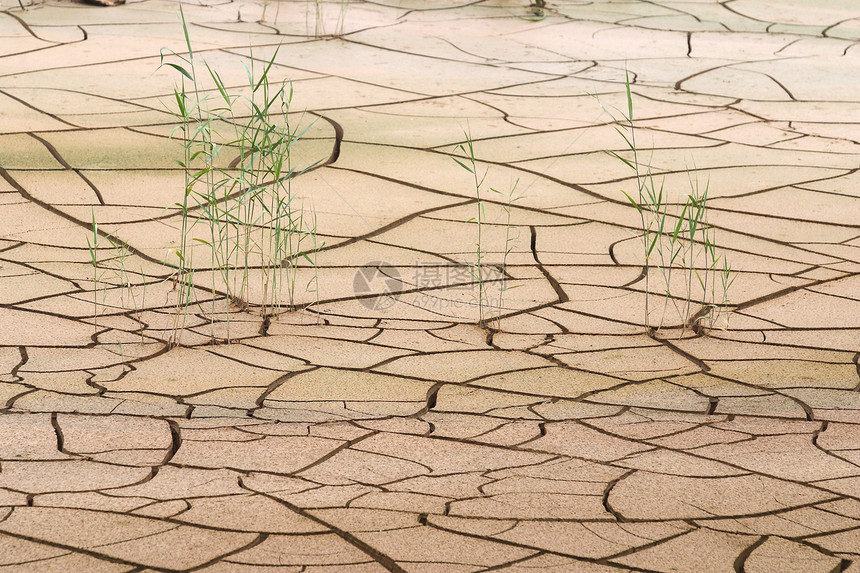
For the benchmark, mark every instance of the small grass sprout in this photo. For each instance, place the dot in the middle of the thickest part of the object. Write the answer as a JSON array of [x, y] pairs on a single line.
[[93, 249], [467, 148], [510, 199], [480, 272]]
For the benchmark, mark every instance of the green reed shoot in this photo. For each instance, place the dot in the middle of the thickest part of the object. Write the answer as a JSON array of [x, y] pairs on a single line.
[[467, 148], [511, 198], [93, 248], [195, 127]]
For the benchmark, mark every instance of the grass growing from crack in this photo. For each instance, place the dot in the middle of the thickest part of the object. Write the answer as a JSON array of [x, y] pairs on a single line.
[[319, 12], [112, 273], [479, 270], [511, 198], [320, 17], [195, 128], [93, 249], [254, 225], [715, 299], [260, 206], [674, 237], [122, 280]]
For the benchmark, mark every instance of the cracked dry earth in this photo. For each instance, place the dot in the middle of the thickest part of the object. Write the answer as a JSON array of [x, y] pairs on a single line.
[[379, 428]]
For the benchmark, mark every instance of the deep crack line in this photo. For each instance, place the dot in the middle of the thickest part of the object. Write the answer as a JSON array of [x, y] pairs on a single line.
[[59, 433], [378, 556]]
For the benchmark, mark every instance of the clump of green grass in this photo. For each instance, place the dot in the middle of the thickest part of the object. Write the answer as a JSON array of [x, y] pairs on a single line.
[[254, 224], [675, 238]]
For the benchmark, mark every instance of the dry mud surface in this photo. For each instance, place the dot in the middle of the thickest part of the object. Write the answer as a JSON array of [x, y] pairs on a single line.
[[379, 427]]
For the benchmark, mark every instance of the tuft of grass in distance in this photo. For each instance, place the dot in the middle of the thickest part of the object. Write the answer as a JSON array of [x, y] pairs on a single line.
[[320, 18], [675, 237]]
